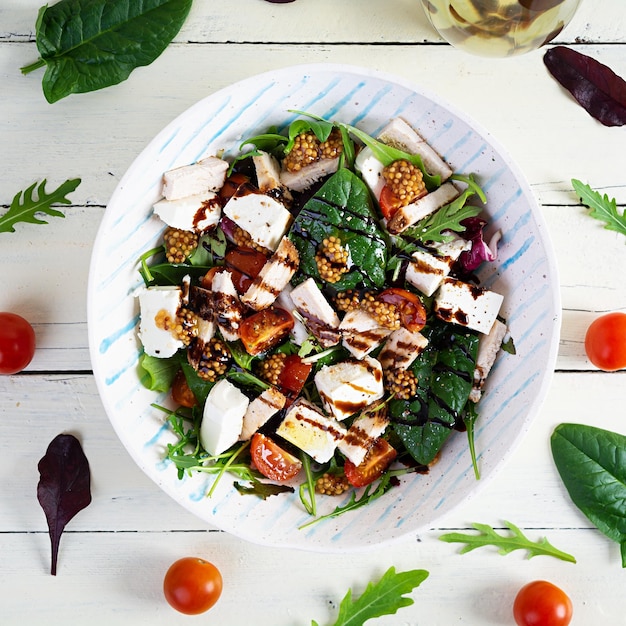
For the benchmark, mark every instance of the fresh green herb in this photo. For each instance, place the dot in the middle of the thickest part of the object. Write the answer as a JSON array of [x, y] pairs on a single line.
[[144, 268], [211, 248], [26, 205], [601, 207], [307, 488], [508, 346], [592, 464], [344, 193], [437, 226], [388, 154], [469, 419], [262, 490], [382, 598], [506, 544], [156, 373], [91, 44]]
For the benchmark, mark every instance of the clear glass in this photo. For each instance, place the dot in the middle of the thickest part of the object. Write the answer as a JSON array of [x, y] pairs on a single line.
[[499, 27]]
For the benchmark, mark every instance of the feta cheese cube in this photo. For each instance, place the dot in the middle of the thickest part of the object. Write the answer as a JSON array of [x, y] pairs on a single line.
[[349, 386], [318, 315], [263, 217], [427, 270], [158, 312], [189, 180], [222, 418], [310, 430], [362, 434], [195, 213], [467, 305], [361, 333]]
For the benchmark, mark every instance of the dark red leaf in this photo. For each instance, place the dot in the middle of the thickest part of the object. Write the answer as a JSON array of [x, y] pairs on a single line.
[[280, 1], [64, 487], [600, 91]]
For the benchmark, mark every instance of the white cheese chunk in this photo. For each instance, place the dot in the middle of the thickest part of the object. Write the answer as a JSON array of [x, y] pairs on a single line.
[[401, 349], [349, 386], [259, 411], [362, 434], [190, 180], [222, 418], [227, 307], [427, 270], [310, 430], [273, 277], [267, 171], [361, 333], [309, 174], [195, 213], [299, 332], [488, 348], [371, 170], [317, 313], [265, 219], [158, 312], [467, 305]]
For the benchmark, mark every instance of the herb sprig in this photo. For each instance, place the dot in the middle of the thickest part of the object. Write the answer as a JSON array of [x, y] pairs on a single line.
[[601, 207]]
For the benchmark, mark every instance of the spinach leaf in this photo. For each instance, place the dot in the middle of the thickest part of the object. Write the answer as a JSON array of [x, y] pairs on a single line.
[[342, 208], [91, 44], [173, 273], [444, 371], [157, 374], [592, 464]]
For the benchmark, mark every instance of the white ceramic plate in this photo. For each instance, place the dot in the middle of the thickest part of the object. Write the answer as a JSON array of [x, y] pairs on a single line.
[[525, 273]]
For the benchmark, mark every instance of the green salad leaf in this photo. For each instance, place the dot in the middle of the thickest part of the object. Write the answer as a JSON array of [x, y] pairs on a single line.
[[156, 373], [91, 44], [445, 371], [342, 208], [601, 207], [385, 597], [27, 204], [592, 464], [516, 540]]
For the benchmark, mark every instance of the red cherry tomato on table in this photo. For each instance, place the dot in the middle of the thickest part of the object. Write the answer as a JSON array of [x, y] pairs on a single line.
[[605, 342], [192, 585], [271, 460], [17, 343], [541, 603]]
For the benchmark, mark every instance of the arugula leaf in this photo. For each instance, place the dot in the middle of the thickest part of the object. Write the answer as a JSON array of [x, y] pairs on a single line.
[[262, 490], [91, 44], [382, 598], [25, 205], [592, 465], [469, 419], [601, 207], [506, 544]]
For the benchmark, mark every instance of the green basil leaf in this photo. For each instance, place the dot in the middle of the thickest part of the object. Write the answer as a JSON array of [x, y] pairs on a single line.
[[592, 464], [92, 44], [342, 208]]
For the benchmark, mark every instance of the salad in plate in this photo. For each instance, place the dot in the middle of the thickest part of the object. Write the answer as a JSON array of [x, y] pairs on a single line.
[[315, 312]]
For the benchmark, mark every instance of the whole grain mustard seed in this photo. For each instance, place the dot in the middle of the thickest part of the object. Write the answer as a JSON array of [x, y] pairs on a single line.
[[179, 244], [405, 181]]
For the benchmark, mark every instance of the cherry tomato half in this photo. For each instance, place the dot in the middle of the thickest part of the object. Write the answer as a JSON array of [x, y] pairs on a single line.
[[17, 343], [181, 392], [388, 202], [541, 603], [245, 260], [265, 329], [605, 342], [378, 458], [192, 585], [271, 460], [412, 311], [235, 184], [294, 374]]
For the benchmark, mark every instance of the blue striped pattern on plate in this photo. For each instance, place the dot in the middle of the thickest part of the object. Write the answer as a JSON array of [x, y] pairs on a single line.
[[525, 273]]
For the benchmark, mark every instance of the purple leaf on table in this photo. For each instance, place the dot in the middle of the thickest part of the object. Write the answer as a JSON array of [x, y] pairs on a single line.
[[600, 91], [64, 487]]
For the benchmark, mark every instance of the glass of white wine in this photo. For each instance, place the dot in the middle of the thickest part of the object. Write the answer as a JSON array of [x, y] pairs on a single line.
[[499, 28]]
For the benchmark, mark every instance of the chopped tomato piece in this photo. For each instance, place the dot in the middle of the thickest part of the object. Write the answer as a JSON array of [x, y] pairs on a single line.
[[207, 280], [294, 374], [388, 202], [271, 460], [235, 184], [412, 311], [181, 392], [378, 458], [265, 329], [246, 260]]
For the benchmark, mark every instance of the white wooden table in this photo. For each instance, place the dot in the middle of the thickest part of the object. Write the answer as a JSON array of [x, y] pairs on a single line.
[[114, 553]]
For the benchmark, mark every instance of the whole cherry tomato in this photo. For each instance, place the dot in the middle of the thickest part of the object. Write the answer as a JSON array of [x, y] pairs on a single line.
[[605, 342], [541, 603], [17, 343], [192, 585]]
